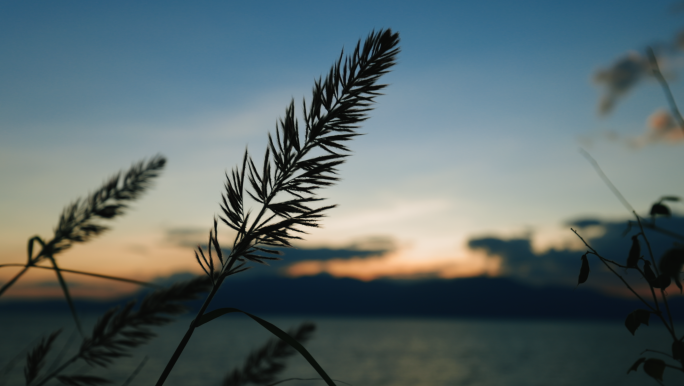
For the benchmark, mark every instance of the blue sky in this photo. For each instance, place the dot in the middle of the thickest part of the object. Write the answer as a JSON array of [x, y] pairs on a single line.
[[477, 135]]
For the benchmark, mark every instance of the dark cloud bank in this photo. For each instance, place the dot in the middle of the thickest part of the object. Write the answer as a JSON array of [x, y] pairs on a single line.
[[535, 285]]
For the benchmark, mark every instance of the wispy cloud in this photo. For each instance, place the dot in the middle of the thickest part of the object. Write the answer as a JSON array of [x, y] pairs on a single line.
[[395, 212], [620, 78], [188, 237]]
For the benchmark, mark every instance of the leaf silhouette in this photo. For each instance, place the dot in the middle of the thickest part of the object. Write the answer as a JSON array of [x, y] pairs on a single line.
[[659, 208], [671, 265], [662, 281], [634, 253], [636, 364], [263, 365], [648, 273], [584, 270], [209, 316], [670, 198], [677, 349], [655, 368], [637, 318]]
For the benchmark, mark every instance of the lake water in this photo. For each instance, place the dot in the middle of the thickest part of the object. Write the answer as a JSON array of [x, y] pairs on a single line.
[[362, 351]]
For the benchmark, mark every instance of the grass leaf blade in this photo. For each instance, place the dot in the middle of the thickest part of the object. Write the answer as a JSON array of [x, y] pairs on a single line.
[[211, 315], [67, 296]]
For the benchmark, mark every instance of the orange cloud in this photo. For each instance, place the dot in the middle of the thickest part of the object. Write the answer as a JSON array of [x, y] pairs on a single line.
[[660, 127], [400, 264], [663, 127]]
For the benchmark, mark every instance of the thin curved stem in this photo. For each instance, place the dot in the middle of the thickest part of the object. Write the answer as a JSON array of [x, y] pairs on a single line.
[[666, 88], [191, 329], [606, 180], [123, 279], [32, 261], [655, 228], [648, 244], [14, 279], [655, 298], [671, 327], [593, 252], [669, 314]]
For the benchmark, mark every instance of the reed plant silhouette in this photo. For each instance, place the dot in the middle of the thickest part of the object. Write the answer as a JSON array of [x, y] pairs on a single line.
[[292, 172], [297, 163], [658, 276], [80, 221]]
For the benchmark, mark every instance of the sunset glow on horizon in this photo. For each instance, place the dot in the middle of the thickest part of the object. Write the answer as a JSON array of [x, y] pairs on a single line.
[[476, 137]]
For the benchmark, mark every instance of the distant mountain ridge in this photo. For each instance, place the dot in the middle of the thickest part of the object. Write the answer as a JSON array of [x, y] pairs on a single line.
[[323, 295]]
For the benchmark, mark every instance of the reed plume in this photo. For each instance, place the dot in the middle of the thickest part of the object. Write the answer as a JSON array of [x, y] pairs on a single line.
[[285, 185], [80, 221], [117, 332], [36, 358]]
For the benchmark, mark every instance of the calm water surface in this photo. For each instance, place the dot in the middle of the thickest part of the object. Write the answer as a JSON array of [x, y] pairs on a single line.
[[362, 351]]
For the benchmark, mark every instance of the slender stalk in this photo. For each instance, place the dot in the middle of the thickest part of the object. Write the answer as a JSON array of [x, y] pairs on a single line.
[[656, 309], [606, 180], [665, 86], [136, 371], [657, 312], [79, 220], [655, 298], [648, 244], [14, 279], [593, 251], [662, 230], [669, 314], [191, 329], [674, 367], [671, 327], [123, 279], [32, 261]]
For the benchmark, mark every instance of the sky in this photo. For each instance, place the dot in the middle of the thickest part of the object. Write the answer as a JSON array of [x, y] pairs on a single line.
[[477, 137]]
